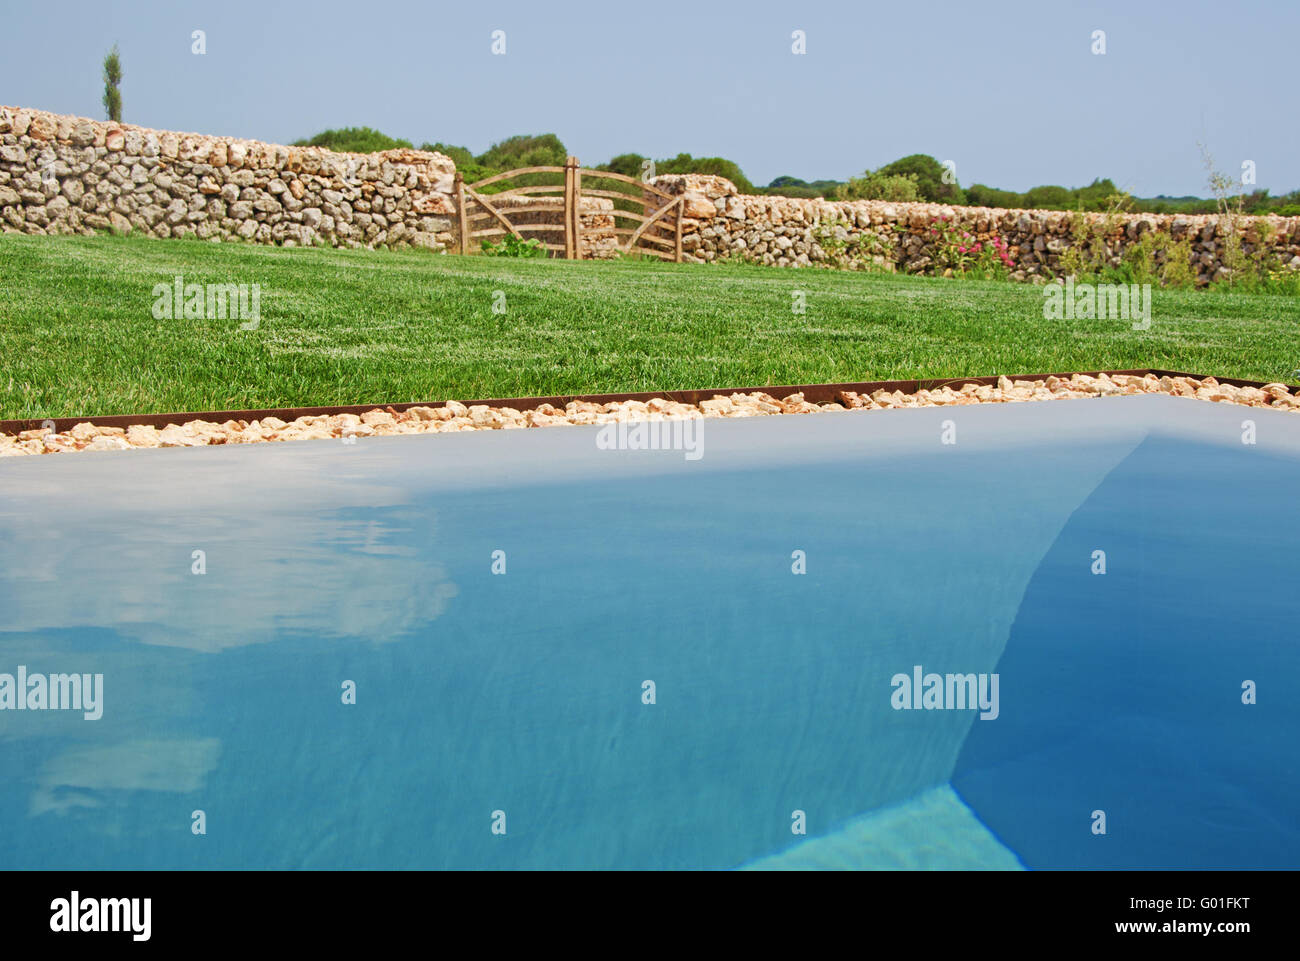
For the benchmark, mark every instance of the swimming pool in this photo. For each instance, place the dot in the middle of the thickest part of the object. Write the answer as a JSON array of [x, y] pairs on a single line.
[[498, 600]]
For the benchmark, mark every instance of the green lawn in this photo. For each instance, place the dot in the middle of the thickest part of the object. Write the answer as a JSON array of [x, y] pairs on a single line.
[[77, 335]]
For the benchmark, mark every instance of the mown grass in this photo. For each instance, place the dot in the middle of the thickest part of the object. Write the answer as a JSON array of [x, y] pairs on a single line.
[[77, 335]]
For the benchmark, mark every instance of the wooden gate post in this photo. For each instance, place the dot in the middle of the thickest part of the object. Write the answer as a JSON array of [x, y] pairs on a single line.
[[461, 214], [568, 208], [577, 209], [572, 209], [677, 230]]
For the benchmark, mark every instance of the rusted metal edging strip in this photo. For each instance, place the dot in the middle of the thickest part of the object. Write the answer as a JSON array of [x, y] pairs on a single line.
[[816, 393]]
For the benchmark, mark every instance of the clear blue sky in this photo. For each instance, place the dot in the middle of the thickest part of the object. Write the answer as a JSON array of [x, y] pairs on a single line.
[[1008, 90]]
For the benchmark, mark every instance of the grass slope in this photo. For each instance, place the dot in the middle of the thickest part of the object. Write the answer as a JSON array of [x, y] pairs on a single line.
[[77, 335]]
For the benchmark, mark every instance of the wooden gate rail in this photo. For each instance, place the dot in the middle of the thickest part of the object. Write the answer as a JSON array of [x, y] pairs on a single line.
[[656, 229], [652, 217]]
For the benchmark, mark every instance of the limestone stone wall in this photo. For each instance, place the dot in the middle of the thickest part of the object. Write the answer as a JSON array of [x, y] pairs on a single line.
[[65, 174], [1031, 245], [62, 174]]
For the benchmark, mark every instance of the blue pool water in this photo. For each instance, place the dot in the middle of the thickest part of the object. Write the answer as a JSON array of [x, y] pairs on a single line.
[[774, 692]]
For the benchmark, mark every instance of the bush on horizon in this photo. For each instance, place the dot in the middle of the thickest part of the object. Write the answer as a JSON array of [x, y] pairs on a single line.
[[911, 178], [355, 140]]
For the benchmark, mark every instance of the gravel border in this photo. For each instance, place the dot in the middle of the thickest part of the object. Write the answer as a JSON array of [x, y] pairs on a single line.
[[455, 416]]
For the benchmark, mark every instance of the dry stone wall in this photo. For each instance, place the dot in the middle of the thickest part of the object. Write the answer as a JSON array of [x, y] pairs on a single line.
[[1029, 245], [65, 174], [61, 174]]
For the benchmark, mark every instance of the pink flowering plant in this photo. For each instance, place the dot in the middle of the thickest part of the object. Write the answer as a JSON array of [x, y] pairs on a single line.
[[958, 249], [995, 259], [953, 247]]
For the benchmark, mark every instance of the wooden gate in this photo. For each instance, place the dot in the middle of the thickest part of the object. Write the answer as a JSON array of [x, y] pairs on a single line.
[[608, 216]]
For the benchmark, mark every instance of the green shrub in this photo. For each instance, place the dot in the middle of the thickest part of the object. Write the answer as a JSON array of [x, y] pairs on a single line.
[[918, 177], [928, 174], [1177, 269], [794, 187], [460, 155], [1097, 196], [979, 195], [512, 246], [1049, 198], [900, 188], [354, 140], [684, 163], [540, 150], [627, 164]]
